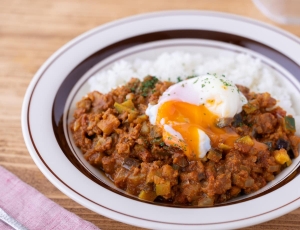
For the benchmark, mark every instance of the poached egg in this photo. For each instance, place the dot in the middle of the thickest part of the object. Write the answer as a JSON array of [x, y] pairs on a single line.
[[188, 113]]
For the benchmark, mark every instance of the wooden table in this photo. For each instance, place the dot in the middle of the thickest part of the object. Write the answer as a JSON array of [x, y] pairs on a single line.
[[31, 30]]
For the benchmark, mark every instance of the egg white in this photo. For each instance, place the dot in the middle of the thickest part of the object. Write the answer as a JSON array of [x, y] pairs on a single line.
[[219, 95]]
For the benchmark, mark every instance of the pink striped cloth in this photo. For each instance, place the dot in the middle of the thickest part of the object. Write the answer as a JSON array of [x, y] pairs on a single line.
[[34, 210]]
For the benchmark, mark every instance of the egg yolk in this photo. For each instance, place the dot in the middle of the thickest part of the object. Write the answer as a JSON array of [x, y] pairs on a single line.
[[187, 119]]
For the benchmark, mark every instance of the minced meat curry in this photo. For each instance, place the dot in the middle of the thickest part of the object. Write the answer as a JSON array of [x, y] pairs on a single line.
[[115, 135]]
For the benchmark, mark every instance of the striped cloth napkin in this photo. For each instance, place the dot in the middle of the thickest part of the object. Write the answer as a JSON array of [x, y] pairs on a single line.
[[32, 209]]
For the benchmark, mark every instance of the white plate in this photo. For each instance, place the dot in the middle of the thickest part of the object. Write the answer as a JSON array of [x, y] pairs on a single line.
[[61, 81]]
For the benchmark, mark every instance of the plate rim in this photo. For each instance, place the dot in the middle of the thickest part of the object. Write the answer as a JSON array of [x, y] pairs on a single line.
[[48, 63]]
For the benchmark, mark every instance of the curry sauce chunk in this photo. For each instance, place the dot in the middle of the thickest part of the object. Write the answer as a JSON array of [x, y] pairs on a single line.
[[115, 136]]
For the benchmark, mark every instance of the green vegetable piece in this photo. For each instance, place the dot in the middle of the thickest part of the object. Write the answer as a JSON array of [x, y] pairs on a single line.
[[191, 76], [121, 108], [214, 155], [150, 195], [224, 146], [179, 79], [131, 116], [245, 140], [129, 104], [163, 189], [140, 119], [148, 84], [175, 166], [249, 108], [290, 123]]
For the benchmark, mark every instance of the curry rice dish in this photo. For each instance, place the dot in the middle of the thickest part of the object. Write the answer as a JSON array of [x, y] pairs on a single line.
[[164, 149]]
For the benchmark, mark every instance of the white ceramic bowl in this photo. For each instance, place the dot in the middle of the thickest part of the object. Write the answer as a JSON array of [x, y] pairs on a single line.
[[61, 81]]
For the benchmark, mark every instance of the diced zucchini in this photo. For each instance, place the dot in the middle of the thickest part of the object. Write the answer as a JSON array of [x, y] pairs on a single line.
[[129, 104], [163, 189], [121, 108], [150, 195], [281, 156], [131, 116], [223, 146], [214, 155], [245, 140], [289, 123], [175, 166], [140, 119], [249, 108]]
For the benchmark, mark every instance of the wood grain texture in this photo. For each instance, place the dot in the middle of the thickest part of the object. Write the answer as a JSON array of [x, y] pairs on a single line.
[[31, 30]]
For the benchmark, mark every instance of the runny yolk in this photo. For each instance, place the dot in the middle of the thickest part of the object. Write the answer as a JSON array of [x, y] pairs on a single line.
[[186, 119]]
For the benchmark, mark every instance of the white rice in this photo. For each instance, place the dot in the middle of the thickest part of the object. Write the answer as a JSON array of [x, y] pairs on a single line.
[[240, 68]]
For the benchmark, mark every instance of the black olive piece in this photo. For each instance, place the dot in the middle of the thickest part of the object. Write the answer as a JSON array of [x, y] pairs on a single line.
[[237, 120], [256, 135], [242, 192], [282, 144], [90, 137], [291, 154], [160, 199]]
